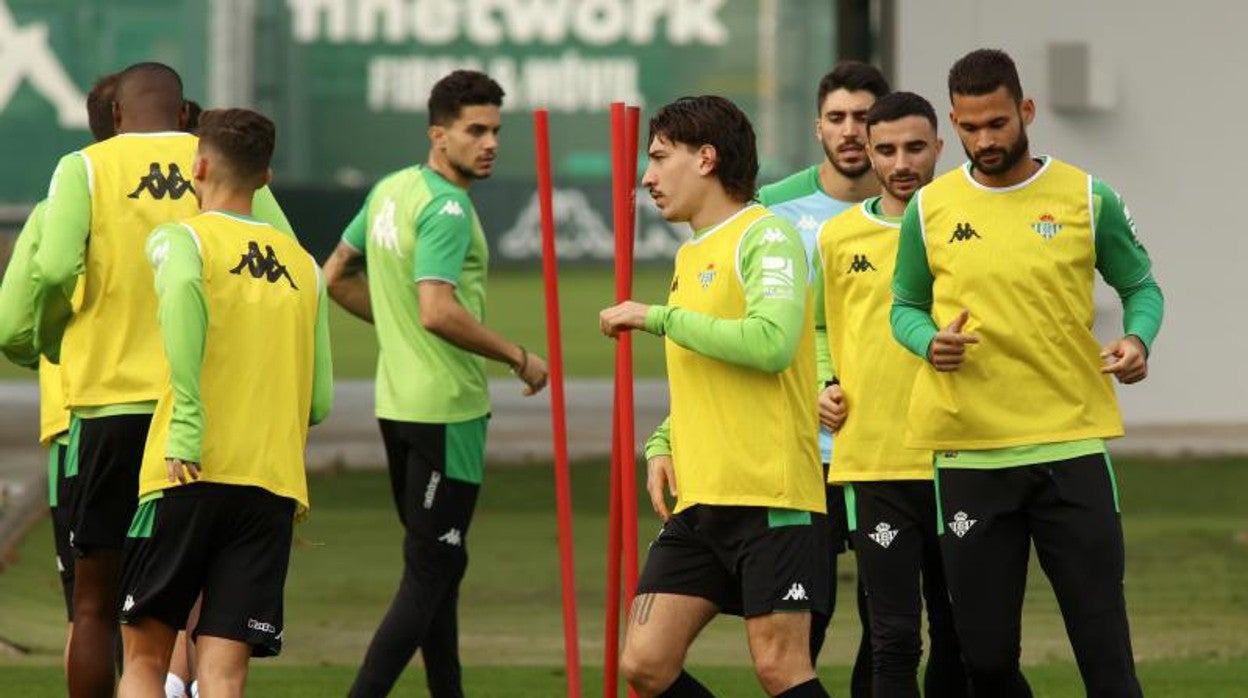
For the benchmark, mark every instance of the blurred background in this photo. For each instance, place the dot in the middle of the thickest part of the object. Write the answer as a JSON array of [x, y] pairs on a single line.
[[1145, 95]]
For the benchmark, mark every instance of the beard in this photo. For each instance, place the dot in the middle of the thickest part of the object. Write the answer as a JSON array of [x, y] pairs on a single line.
[[848, 172], [1010, 156]]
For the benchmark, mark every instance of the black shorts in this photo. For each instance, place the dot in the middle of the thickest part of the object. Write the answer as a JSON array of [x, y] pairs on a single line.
[[838, 523], [106, 487], [749, 561], [58, 499], [232, 542]]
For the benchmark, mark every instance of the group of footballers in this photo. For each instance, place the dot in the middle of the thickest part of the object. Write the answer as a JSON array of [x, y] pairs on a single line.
[[940, 327]]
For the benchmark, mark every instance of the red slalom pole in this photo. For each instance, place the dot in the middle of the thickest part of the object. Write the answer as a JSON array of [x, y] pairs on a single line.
[[610, 679], [628, 458], [558, 407]]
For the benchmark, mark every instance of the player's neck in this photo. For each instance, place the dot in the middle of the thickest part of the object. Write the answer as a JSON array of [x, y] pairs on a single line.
[[716, 208], [147, 123], [438, 163], [891, 206], [225, 199], [842, 188], [1023, 170]]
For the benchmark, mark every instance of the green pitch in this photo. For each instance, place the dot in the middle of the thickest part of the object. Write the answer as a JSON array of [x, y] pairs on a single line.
[[1187, 569]]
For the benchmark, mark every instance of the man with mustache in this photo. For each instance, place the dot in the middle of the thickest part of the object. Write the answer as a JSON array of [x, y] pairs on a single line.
[[739, 343], [889, 497], [1015, 397], [413, 262]]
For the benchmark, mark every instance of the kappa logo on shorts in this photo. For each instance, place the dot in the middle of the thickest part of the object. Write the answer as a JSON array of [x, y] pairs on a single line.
[[451, 537], [797, 592], [961, 524], [129, 604], [884, 534]]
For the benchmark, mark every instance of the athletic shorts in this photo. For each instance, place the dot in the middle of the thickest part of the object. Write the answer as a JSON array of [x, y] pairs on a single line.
[[232, 542], [58, 499], [748, 561], [106, 487], [838, 523]]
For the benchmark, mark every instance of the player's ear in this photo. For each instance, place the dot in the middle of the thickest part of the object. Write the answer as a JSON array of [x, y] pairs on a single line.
[[437, 137], [940, 146], [199, 168], [707, 157], [1027, 109]]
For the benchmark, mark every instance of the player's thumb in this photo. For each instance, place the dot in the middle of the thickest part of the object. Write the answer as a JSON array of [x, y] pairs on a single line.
[[958, 322]]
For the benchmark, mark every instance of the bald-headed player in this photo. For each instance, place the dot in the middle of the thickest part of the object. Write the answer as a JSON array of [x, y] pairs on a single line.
[[17, 341], [102, 202]]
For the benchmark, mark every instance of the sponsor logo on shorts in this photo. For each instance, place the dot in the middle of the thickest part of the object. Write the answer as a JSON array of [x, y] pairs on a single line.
[[129, 604], [797, 592], [432, 488], [961, 524], [884, 534], [253, 624], [451, 537]]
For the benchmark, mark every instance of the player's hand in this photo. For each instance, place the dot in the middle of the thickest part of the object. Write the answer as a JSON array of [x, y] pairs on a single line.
[[629, 315], [948, 347], [660, 474], [182, 471], [1127, 360], [534, 374], [833, 408]]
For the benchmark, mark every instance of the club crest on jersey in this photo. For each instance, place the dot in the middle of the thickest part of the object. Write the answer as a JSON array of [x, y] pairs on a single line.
[[707, 276], [1047, 226], [883, 534], [961, 524]]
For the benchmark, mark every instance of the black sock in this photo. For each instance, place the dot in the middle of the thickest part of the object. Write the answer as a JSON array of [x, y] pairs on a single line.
[[810, 689], [685, 686]]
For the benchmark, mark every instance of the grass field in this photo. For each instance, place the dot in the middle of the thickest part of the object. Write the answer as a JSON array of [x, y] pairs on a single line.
[[1187, 586], [516, 308]]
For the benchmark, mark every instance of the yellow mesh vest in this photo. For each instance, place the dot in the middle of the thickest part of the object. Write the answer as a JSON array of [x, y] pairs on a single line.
[[1021, 260], [859, 251], [256, 379], [53, 417], [111, 352], [739, 436]]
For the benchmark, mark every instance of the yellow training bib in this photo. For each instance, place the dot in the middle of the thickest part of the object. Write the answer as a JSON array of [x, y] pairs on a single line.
[[1021, 259]]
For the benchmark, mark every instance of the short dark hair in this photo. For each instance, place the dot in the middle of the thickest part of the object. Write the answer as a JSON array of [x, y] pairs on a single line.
[[852, 76], [717, 122], [243, 137], [193, 112], [100, 106], [899, 105], [983, 71], [462, 88]]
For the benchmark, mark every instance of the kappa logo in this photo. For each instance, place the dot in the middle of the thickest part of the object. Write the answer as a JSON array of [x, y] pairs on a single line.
[[451, 537], [263, 266], [384, 232], [962, 232], [26, 56], [860, 264], [772, 236], [807, 222], [451, 208], [883, 534], [1047, 226], [797, 592], [706, 277], [129, 604], [961, 524], [158, 185]]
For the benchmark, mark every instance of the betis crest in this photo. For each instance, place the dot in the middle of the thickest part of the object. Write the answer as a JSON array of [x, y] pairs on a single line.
[[1047, 226]]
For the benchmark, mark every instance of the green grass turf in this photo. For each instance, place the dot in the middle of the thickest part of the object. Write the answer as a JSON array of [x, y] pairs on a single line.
[[1187, 588], [516, 308]]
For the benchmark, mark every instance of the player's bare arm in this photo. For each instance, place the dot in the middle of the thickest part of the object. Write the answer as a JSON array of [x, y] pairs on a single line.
[[347, 282], [442, 314]]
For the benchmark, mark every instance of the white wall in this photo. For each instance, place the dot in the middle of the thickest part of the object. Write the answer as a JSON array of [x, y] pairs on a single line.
[[1175, 146]]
